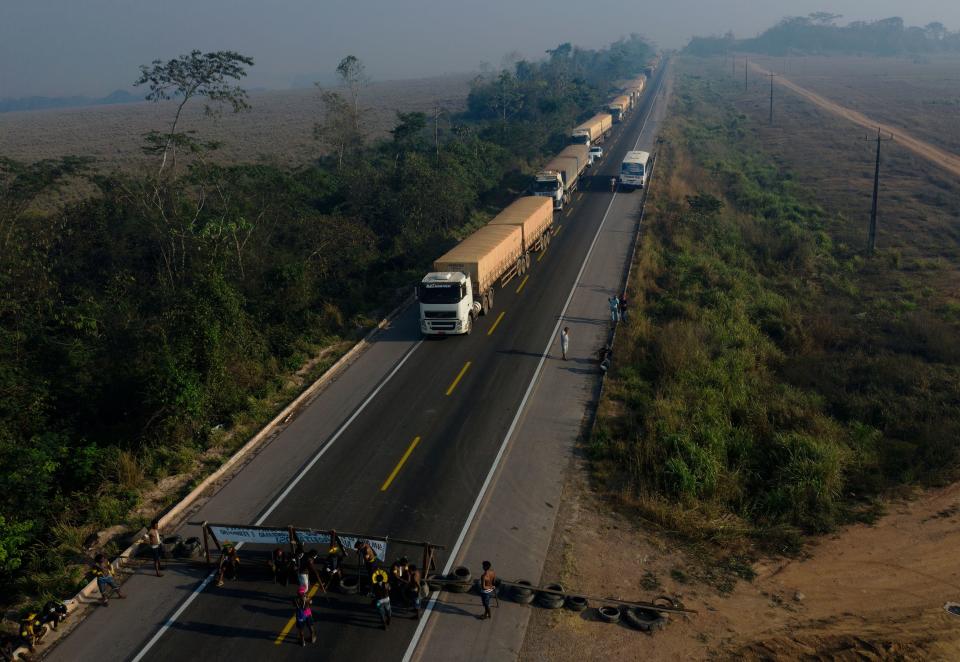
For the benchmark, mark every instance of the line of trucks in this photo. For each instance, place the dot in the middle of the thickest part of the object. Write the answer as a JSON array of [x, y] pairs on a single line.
[[463, 281]]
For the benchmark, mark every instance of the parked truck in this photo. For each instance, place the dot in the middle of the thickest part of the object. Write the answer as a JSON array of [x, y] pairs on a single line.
[[619, 108], [559, 177], [593, 131], [462, 283]]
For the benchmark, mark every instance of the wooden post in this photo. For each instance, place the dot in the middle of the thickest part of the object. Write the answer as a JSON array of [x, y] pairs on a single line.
[[206, 544]]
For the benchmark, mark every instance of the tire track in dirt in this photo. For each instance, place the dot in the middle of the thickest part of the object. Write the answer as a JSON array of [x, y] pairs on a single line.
[[946, 160]]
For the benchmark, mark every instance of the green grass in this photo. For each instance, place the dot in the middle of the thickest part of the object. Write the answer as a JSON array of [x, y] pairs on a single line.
[[775, 385]]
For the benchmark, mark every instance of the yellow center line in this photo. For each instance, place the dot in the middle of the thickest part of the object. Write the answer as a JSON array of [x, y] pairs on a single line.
[[542, 253], [522, 283], [396, 469], [569, 209], [492, 328], [463, 371], [293, 619], [559, 227], [579, 195]]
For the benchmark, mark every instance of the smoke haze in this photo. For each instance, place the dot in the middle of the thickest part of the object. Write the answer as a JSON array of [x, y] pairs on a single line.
[[66, 47]]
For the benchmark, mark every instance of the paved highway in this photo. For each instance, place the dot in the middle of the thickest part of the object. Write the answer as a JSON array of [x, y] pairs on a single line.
[[412, 463]]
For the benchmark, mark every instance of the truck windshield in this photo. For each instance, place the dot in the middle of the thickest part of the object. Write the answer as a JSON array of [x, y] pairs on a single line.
[[440, 292], [546, 185], [580, 139]]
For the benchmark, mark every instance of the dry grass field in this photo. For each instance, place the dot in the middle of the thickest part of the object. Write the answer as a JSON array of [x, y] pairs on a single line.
[[919, 202], [278, 129], [919, 95]]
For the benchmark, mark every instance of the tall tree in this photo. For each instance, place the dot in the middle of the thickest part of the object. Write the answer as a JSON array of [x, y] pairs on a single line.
[[209, 76], [353, 76]]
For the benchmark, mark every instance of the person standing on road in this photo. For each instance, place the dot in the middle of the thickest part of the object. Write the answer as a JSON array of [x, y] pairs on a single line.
[[565, 342], [304, 616], [229, 563], [623, 307], [614, 308], [367, 555], [488, 586], [103, 571], [381, 595], [153, 538], [414, 588]]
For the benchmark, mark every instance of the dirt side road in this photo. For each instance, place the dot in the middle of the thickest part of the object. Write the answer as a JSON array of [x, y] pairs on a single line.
[[946, 160], [869, 592]]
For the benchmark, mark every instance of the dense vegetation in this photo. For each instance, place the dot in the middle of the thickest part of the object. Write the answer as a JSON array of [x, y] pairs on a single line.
[[760, 394], [145, 325], [817, 34]]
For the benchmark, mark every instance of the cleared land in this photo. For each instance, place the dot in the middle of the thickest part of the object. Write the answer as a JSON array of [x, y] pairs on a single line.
[[866, 591], [277, 130], [921, 96]]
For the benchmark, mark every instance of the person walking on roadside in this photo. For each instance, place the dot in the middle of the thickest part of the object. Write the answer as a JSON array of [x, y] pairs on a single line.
[[488, 586], [565, 342], [153, 538], [304, 615], [103, 571], [381, 595], [623, 307], [614, 308]]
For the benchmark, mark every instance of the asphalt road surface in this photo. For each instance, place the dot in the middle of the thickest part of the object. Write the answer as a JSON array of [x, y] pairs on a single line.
[[457, 397]]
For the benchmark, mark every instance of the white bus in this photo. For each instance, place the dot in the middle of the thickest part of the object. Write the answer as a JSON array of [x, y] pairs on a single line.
[[634, 169]]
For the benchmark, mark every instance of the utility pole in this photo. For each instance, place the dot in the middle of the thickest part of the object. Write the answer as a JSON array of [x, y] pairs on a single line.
[[771, 97], [733, 66], [436, 130], [872, 236], [746, 71]]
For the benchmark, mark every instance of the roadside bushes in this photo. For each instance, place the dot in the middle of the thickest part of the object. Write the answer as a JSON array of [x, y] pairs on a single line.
[[758, 383]]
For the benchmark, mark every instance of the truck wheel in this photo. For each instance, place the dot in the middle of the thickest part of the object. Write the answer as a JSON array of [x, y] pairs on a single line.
[[484, 306], [490, 300], [469, 325]]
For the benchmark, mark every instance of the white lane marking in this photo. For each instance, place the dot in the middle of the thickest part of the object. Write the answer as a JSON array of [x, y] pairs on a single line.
[[303, 472], [408, 655]]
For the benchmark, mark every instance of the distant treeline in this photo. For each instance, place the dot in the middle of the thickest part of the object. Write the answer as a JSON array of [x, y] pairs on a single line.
[[43, 103], [140, 325], [818, 34]]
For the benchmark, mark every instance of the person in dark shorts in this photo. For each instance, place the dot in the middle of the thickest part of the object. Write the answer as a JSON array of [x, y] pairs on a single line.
[[414, 590], [488, 587], [229, 563], [153, 538], [304, 616], [367, 555], [280, 564]]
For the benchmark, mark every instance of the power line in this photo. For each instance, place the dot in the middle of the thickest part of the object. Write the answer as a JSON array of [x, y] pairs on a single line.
[[872, 235], [772, 76]]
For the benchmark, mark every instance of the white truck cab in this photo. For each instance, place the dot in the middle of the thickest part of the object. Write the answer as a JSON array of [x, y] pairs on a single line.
[[446, 303]]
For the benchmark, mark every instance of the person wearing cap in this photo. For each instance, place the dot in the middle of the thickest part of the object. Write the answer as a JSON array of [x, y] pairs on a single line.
[[304, 616]]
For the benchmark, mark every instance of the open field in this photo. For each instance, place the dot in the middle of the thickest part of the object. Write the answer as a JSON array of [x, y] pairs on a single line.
[[919, 95], [278, 129]]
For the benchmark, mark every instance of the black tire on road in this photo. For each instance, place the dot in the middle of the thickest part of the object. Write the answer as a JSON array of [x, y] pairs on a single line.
[[192, 547], [577, 603], [434, 581], [349, 585], [609, 614], [522, 594], [646, 620]]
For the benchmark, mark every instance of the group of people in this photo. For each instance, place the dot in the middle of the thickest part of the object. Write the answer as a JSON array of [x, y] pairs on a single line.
[[618, 307], [402, 583]]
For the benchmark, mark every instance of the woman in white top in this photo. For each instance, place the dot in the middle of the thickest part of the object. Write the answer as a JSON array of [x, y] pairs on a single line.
[[153, 539]]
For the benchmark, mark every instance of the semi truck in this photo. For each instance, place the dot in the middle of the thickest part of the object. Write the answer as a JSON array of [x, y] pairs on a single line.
[[462, 283], [619, 108], [593, 131], [559, 177]]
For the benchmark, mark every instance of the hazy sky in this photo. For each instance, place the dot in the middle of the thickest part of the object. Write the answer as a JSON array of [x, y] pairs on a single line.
[[62, 47]]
